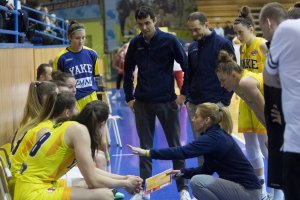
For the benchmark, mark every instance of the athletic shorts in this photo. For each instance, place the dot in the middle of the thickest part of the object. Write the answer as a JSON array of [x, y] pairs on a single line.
[[85, 100], [31, 191], [248, 122]]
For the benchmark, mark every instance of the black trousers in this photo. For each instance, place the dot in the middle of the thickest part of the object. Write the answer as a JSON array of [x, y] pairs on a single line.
[[275, 137], [291, 175], [168, 115]]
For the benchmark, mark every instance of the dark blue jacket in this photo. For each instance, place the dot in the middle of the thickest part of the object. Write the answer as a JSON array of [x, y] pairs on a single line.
[[203, 83], [155, 63], [221, 154]]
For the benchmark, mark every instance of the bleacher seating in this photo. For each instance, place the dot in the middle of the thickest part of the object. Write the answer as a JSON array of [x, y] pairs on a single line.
[[37, 35]]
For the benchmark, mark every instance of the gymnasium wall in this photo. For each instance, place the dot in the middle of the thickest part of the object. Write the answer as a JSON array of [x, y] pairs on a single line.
[[17, 70]]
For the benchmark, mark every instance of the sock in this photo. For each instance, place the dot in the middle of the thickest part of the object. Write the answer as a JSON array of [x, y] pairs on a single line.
[[278, 194], [263, 185]]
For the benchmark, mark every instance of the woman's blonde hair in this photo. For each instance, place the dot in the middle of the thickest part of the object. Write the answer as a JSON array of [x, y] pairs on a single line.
[[37, 93], [217, 115]]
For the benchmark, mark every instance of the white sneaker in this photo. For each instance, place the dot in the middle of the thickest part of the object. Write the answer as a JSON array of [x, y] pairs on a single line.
[[267, 197], [140, 196], [185, 195]]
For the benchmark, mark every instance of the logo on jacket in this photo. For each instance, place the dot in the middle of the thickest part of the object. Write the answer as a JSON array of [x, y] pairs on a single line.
[[254, 53]]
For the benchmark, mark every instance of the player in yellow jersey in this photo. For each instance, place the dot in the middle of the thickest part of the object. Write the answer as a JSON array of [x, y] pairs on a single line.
[[61, 105], [253, 58], [253, 48], [55, 153], [249, 86]]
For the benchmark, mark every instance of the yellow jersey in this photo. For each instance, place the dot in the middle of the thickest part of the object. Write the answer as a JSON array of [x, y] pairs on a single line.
[[252, 58], [22, 147], [248, 122], [49, 159]]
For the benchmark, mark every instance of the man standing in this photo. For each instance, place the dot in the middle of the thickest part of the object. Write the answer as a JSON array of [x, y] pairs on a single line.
[[202, 82], [283, 60], [271, 15], [154, 52]]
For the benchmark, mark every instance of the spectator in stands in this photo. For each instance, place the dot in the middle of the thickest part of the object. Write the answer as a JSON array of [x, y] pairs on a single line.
[[294, 12], [119, 63], [10, 6], [44, 72], [228, 31], [219, 30]]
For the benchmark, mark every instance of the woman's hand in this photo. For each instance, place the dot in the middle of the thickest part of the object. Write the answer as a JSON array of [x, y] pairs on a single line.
[[134, 184], [137, 150], [175, 174]]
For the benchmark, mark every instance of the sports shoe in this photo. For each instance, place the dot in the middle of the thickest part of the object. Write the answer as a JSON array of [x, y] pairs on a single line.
[[118, 195], [185, 195], [267, 197], [141, 196]]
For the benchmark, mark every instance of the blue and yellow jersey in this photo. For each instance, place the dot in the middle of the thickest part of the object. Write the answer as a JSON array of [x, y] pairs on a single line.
[[252, 57], [84, 65], [50, 158]]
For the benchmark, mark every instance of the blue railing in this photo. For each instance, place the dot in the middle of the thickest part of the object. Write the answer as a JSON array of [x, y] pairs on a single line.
[[62, 29], [12, 32]]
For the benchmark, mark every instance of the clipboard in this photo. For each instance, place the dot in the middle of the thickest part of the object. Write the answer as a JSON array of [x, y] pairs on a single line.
[[157, 182]]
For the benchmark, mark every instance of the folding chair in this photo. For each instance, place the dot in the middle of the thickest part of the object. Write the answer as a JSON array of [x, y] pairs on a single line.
[[5, 175], [5, 157], [112, 121]]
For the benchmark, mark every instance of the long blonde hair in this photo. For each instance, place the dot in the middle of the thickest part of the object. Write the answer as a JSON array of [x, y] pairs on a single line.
[[217, 115], [37, 92]]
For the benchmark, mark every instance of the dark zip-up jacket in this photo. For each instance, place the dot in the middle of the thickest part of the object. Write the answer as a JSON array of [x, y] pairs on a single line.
[[203, 83], [221, 154], [155, 61]]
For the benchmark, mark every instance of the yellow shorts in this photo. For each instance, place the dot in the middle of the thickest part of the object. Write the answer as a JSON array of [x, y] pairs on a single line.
[[248, 122], [85, 100], [31, 191]]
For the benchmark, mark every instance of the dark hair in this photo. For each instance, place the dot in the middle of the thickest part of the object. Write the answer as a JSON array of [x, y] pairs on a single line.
[[245, 18], [74, 26], [143, 12], [294, 12], [60, 83], [227, 64], [92, 114], [42, 69], [65, 100], [62, 76], [273, 11], [197, 16]]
